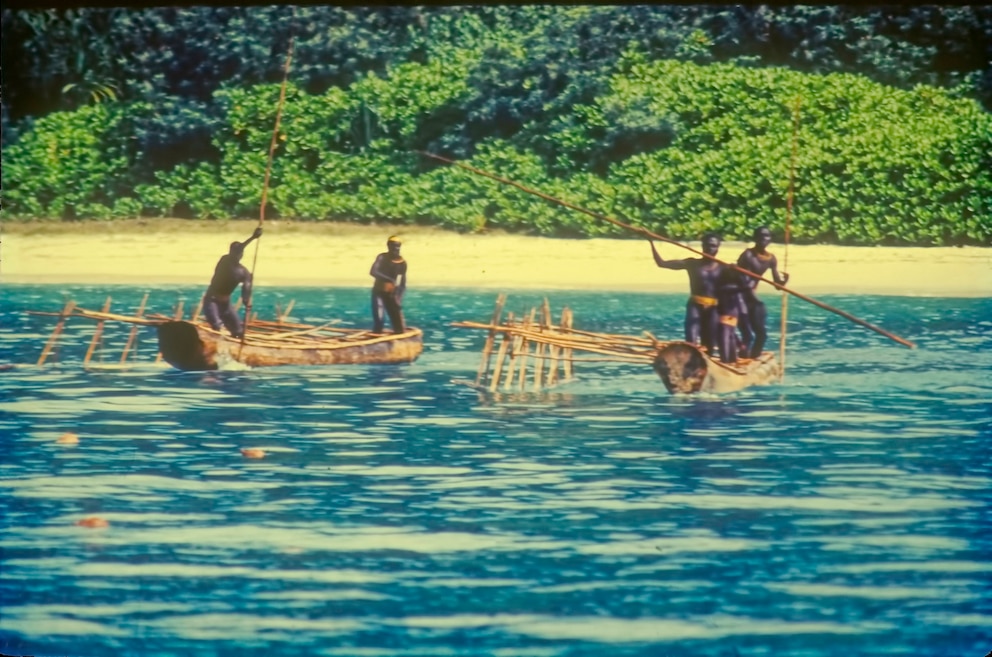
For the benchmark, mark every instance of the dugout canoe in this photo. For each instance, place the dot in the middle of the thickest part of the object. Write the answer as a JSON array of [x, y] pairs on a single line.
[[197, 347], [684, 368]]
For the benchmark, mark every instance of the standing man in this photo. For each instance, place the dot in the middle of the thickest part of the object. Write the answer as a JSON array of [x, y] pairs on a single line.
[[702, 319], [389, 272], [757, 259], [228, 274]]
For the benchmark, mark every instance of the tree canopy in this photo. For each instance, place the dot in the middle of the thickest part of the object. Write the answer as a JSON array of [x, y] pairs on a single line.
[[676, 116]]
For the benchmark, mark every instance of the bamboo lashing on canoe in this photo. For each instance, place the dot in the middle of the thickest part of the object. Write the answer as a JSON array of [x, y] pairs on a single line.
[[291, 334], [311, 341], [648, 234]]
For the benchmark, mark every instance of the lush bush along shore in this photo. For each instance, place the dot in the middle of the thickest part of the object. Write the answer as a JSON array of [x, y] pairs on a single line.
[[667, 139]]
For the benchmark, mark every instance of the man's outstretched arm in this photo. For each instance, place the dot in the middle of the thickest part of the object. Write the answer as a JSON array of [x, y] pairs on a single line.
[[666, 264]]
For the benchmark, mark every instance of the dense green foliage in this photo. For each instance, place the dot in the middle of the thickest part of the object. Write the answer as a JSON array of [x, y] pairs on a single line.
[[667, 117]]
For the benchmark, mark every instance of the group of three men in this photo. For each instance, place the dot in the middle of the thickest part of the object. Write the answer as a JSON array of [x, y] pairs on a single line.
[[388, 270], [723, 300]]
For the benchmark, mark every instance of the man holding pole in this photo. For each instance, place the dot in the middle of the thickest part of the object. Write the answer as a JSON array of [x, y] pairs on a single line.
[[702, 319], [389, 272], [757, 259], [228, 274]]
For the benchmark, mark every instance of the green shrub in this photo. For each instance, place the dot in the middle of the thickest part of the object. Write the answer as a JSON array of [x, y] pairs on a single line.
[[675, 147], [68, 165]]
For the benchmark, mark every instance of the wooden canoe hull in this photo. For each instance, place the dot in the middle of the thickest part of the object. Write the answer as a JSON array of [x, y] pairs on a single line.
[[197, 347], [685, 369]]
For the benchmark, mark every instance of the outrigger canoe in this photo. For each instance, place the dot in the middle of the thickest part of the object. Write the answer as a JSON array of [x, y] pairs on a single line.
[[685, 368], [533, 342], [197, 347]]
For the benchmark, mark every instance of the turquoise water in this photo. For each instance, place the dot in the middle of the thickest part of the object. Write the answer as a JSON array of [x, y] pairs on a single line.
[[844, 512]]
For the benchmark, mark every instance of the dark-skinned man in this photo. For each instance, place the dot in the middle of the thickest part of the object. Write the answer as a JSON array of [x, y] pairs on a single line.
[[757, 259], [389, 272], [228, 274], [702, 319]]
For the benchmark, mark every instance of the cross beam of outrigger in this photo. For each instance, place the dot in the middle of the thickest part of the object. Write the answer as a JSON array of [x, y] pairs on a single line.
[[648, 234]]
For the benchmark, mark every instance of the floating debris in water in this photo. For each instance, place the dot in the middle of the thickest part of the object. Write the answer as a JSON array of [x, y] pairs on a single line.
[[68, 438], [93, 522], [253, 453]]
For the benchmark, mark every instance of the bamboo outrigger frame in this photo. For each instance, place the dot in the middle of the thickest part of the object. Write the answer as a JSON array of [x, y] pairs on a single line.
[[279, 331], [193, 345], [551, 351], [548, 349]]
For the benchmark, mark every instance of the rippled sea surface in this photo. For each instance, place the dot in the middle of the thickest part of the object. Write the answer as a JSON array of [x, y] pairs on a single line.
[[843, 512]]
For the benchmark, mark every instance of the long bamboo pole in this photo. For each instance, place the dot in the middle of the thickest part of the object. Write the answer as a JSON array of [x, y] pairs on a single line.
[[515, 345], [494, 381], [564, 340], [526, 349], [97, 335], [134, 329], [788, 229], [566, 323], [196, 311], [66, 311], [488, 347], [648, 234], [268, 174]]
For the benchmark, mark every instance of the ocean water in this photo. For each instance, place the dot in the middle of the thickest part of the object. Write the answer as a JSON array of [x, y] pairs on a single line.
[[846, 511]]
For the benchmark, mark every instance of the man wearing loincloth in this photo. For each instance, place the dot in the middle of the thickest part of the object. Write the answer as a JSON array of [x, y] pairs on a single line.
[[701, 312], [754, 315], [389, 272], [228, 274]]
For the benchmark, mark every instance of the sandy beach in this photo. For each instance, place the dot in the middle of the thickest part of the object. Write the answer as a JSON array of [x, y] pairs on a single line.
[[339, 255]]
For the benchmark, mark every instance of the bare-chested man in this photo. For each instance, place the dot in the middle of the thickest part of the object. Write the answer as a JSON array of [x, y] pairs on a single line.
[[389, 271], [228, 274], [701, 314], [758, 260]]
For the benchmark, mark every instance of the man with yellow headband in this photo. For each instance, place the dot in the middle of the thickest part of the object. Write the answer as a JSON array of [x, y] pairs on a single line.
[[389, 272], [702, 317]]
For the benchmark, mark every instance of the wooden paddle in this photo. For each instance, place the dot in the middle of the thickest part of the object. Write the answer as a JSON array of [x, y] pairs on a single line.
[[648, 234]]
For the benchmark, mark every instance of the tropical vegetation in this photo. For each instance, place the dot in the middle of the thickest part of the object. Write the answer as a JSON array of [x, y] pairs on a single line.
[[679, 119]]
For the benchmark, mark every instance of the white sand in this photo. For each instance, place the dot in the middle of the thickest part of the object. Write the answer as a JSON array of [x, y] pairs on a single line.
[[333, 257]]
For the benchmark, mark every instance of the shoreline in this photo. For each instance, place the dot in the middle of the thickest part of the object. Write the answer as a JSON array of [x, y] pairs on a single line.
[[179, 252]]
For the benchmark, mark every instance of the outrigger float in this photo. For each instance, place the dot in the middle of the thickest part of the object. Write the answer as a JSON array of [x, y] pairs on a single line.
[[192, 345], [534, 341]]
